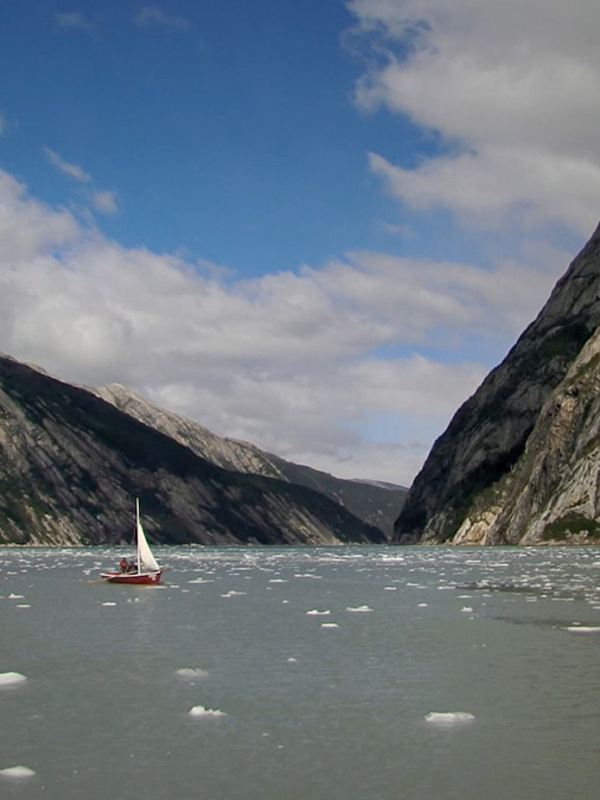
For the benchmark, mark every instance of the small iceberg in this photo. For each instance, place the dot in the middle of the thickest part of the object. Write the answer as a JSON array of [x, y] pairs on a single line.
[[314, 612], [583, 629], [448, 719], [191, 673], [11, 678], [359, 609], [18, 772], [329, 625], [199, 712]]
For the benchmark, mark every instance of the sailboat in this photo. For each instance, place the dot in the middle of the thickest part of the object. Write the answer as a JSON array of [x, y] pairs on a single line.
[[146, 570]]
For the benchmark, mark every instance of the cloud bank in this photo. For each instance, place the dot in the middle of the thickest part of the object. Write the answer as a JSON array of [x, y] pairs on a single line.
[[320, 365], [512, 88]]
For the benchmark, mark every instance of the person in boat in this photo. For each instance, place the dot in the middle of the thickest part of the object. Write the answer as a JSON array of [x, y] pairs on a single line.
[[124, 565]]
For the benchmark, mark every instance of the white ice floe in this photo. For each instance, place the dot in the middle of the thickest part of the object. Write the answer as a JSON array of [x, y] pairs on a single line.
[[233, 593], [359, 609], [109, 603], [199, 712], [292, 660], [12, 596], [390, 588], [583, 629], [18, 772], [467, 610], [329, 625], [423, 605], [448, 719], [11, 678], [314, 612], [191, 673]]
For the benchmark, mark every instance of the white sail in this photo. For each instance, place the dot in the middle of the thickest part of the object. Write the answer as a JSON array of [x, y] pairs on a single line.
[[146, 561]]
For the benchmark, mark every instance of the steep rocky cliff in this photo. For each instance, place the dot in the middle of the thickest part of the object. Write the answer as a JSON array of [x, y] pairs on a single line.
[[375, 504], [553, 492], [468, 487], [71, 464]]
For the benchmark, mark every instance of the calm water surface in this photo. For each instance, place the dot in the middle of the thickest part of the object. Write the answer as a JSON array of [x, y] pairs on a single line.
[[312, 673]]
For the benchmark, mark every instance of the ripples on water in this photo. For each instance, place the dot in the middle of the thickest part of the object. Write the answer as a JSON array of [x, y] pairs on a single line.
[[288, 674]]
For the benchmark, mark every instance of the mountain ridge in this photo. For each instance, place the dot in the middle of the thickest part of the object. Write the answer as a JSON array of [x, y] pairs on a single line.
[[71, 462]]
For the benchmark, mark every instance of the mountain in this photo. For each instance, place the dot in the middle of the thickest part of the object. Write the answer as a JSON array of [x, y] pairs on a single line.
[[375, 503], [516, 464], [71, 464]]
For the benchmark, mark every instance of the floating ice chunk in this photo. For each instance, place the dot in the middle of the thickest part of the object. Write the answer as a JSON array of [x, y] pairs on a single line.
[[314, 612], [233, 593], [23, 605], [467, 609], [278, 580], [17, 772], [583, 629], [11, 678], [447, 719], [109, 603], [292, 660], [12, 596], [199, 712], [329, 625], [423, 605], [359, 609], [191, 673], [390, 588]]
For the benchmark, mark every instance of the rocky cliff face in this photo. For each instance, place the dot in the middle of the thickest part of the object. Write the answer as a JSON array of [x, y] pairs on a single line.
[[373, 503], [71, 464], [493, 475]]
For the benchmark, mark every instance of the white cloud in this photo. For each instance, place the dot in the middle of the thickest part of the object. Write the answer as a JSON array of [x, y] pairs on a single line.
[[105, 202], [74, 21], [318, 366], [102, 201], [153, 15], [72, 170], [514, 90]]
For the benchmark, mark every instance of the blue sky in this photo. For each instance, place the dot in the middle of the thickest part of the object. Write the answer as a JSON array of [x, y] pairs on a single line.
[[315, 225]]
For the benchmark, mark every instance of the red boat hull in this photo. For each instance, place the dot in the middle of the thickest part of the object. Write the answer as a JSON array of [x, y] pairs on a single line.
[[135, 579]]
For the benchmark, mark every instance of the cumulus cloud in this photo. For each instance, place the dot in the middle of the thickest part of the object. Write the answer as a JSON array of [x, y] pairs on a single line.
[[316, 365], [514, 91]]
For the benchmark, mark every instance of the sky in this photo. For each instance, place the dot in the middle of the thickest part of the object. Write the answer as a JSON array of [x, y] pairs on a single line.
[[315, 226]]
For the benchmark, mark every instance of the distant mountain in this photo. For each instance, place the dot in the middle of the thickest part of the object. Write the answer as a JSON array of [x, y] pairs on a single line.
[[375, 503], [71, 464], [518, 463]]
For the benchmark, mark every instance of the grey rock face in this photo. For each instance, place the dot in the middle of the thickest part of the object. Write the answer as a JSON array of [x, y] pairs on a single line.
[[373, 503], [459, 491], [71, 464]]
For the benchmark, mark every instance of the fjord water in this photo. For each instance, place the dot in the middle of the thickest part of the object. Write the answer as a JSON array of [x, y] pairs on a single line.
[[313, 673]]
